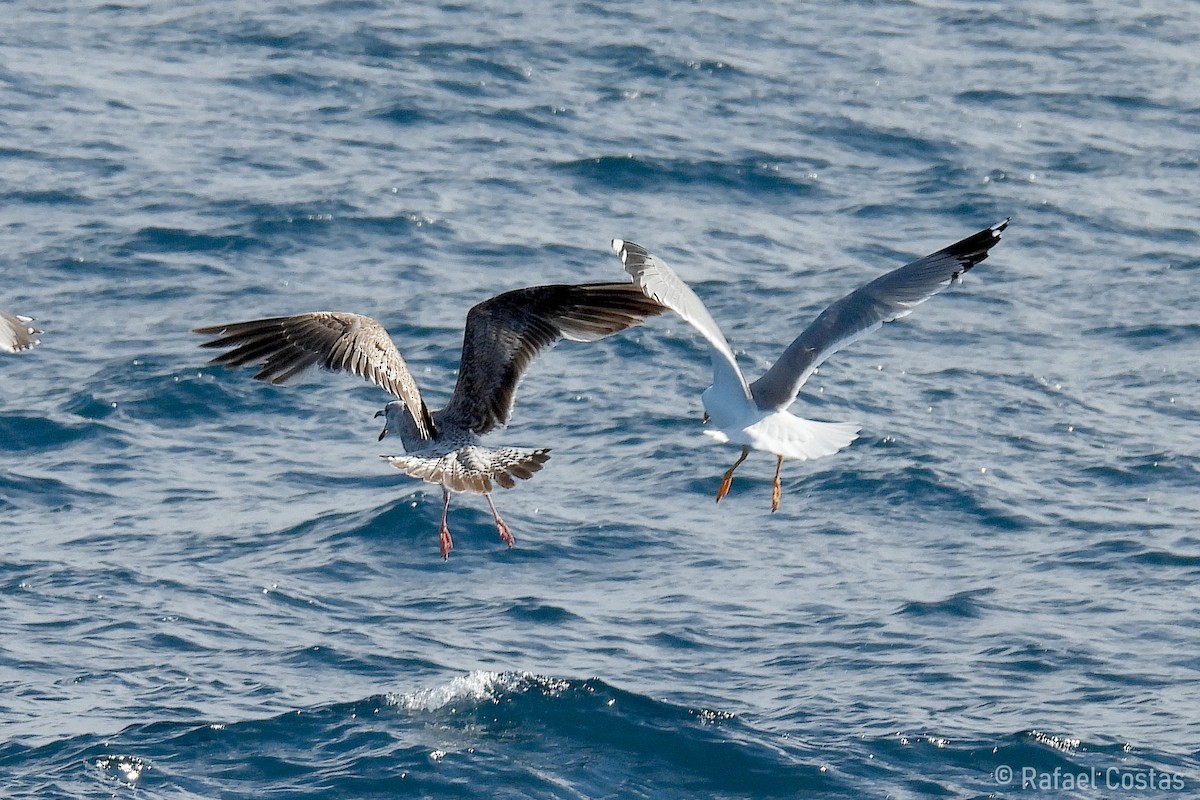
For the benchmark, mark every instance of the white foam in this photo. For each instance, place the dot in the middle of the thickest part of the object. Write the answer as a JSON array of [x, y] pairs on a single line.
[[477, 685]]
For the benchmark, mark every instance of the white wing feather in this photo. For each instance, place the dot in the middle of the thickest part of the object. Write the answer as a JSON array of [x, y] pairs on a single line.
[[660, 283]]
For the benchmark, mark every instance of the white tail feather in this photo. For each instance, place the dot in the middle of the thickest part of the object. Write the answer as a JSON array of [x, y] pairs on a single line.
[[790, 436]]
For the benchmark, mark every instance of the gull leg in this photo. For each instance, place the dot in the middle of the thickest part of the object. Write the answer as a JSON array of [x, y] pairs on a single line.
[[505, 535], [777, 490], [728, 479], [447, 544]]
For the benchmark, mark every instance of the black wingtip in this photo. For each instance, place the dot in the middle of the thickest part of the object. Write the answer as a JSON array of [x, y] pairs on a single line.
[[973, 249]]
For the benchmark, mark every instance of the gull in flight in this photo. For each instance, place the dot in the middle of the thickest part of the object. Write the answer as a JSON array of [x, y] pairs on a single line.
[[754, 415], [502, 337], [15, 333]]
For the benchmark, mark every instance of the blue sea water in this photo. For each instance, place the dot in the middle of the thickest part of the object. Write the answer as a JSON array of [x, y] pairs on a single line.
[[212, 587]]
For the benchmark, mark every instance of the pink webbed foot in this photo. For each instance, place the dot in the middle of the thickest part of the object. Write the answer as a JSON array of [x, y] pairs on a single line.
[[445, 542], [505, 534]]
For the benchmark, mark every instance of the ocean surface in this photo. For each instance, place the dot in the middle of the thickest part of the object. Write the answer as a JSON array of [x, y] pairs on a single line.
[[211, 587]]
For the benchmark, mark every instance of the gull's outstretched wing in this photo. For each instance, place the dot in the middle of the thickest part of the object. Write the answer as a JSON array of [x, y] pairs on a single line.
[[888, 297], [15, 333], [335, 340], [505, 333], [660, 283]]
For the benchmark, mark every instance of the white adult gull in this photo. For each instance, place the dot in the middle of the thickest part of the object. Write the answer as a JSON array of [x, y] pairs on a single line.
[[501, 338], [16, 334], [754, 415]]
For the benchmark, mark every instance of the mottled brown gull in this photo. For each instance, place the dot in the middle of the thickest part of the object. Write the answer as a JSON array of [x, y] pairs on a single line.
[[754, 415], [501, 338]]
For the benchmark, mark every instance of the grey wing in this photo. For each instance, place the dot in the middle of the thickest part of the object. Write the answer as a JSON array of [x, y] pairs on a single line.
[[505, 333], [16, 333], [335, 340], [660, 283], [888, 297]]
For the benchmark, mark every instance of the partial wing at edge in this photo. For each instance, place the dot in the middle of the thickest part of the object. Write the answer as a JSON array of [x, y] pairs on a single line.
[[16, 334]]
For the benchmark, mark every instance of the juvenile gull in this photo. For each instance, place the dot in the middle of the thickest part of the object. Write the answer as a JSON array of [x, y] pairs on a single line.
[[754, 415], [502, 337], [15, 333]]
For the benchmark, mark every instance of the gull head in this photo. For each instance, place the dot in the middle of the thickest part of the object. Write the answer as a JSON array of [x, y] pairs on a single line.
[[399, 420]]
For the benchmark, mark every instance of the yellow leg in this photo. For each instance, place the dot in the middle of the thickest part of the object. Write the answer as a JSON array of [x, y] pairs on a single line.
[[777, 489], [728, 479]]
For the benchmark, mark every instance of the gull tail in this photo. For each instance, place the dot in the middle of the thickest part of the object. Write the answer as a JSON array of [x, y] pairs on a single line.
[[787, 435], [472, 469]]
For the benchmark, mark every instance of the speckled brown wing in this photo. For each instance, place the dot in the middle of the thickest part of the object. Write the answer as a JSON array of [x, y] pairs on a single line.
[[334, 340], [504, 334]]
